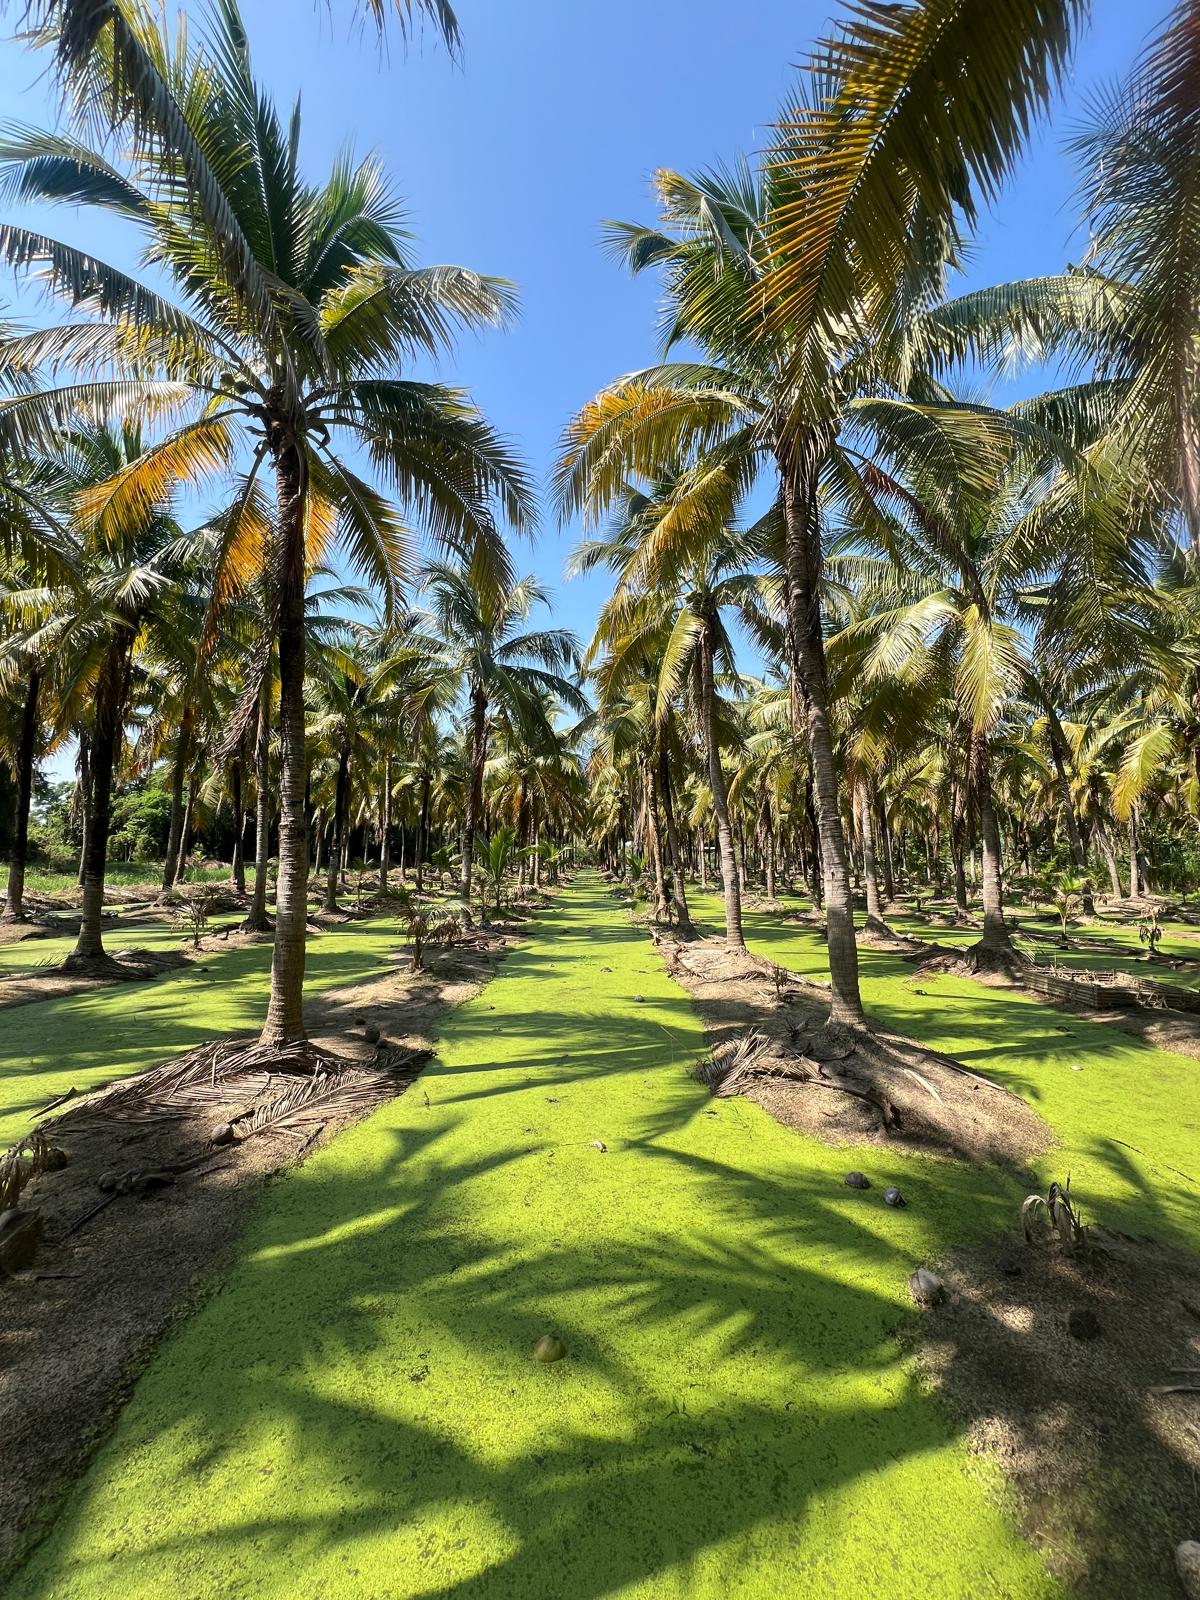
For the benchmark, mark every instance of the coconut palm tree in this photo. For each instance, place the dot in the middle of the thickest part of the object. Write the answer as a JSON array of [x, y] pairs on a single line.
[[497, 662], [668, 610], [296, 307]]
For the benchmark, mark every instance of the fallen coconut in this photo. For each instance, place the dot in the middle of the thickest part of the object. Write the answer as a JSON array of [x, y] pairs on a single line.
[[599, 1144], [857, 1180], [893, 1197], [1187, 1565], [549, 1348], [371, 1033], [222, 1134], [926, 1288]]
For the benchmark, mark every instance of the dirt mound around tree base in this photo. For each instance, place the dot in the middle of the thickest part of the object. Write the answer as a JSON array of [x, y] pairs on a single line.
[[770, 1042], [1104, 1457]]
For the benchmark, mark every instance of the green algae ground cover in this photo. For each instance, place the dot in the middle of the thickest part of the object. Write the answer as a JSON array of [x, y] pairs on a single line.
[[84, 1040], [357, 1413], [1127, 1115]]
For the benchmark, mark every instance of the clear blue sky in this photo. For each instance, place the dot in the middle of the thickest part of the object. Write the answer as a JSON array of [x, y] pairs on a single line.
[[555, 119]]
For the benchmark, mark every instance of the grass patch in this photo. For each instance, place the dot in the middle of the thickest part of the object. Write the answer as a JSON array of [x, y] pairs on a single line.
[[358, 1412]]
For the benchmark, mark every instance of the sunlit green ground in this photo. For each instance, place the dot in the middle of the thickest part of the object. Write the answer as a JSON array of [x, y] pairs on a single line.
[[86, 1039], [1127, 1115], [357, 1413]]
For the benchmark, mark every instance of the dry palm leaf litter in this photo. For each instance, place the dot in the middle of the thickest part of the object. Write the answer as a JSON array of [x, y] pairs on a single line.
[[769, 1042]]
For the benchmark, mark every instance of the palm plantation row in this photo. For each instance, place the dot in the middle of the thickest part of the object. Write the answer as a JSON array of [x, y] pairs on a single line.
[[967, 627]]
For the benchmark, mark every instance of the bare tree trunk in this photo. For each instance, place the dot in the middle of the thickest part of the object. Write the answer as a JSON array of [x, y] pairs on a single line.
[[256, 919], [85, 799], [683, 920], [889, 860], [341, 794], [189, 807], [14, 903], [1066, 799], [1104, 840], [106, 734], [176, 831], [808, 647], [385, 825], [716, 782], [284, 1022], [866, 823], [474, 796], [996, 939], [237, 871], [423, 830]]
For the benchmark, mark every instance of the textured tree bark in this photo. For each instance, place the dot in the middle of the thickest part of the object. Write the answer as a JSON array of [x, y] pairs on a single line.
[[385, 824], [103, 754], [341, 794], [256, 919], [804, 593], [183, 750], [284, 1022], [423, 830], [654, 843], [716, 782], [14, 903], [474, 797], [679, 905], [186, 828], [1074, 837], [866, 823], [889, 860], [1104, 840], [237, 871], [996, 937], [85, 799]]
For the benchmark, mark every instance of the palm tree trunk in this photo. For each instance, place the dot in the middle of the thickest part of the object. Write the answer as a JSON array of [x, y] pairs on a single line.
[[474, 796], [237, 870], [808, 649], [185, 830], [256, 919], [866, 823], [14, 904], [1074, 837], [889, 859], [105, 735], [716, 782], [385, 824], [339, 830], [183, 744], [423, 830], [1135, 887], [85, 799], [654, 844], [679, 905], [1104, 840], [996, 938], [284, 1022], [702, 858]]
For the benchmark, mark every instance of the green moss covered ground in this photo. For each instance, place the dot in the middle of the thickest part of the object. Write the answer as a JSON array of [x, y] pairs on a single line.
[[1127, 1115], [357, 1412], [91, 1038]]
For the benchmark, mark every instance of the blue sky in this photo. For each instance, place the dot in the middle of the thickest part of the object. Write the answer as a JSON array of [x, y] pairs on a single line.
[[555, 119]]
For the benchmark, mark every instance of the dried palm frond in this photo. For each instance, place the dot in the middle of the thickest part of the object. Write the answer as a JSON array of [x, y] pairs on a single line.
[[728, 1065], [20, 1163], [316, 1099]]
